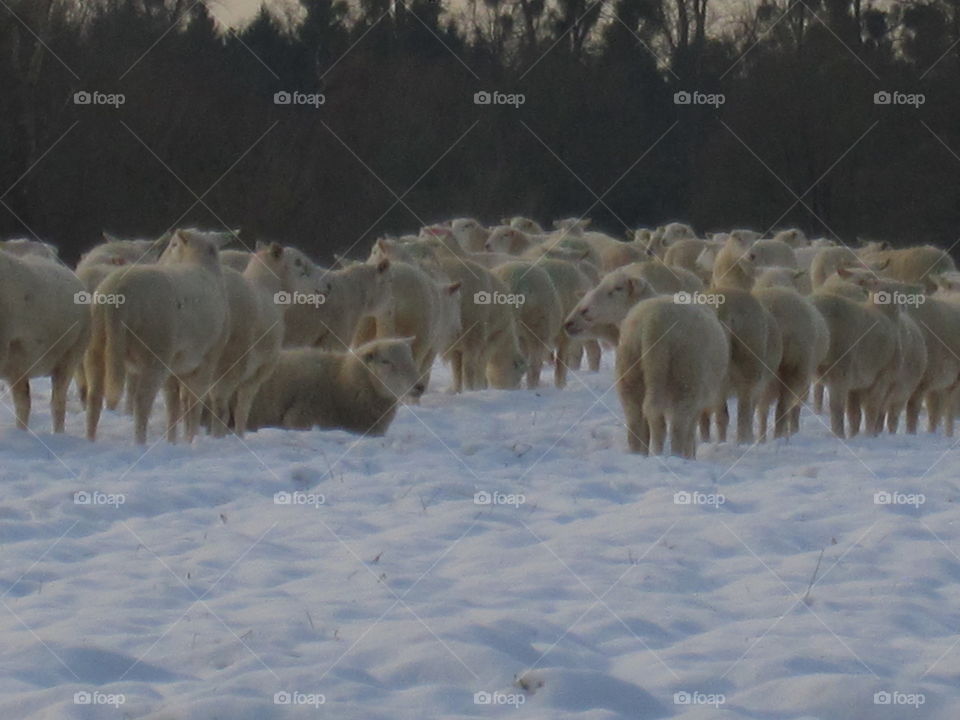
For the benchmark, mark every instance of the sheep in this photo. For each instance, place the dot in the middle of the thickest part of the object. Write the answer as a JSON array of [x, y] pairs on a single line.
[[335, 302], [919, 265], [442, 240], [44, 332], [235, 259], [731, 266], [600, 312], [772, 253], [531, 227], [613, 254], [22, 247], [539, 314], [805, 342], [508, 240], [671, 365], [571, 284], [862, 345], [100, 261], [469, 233], [424, 310], [756, 347], [171, 325], [650, 242], [794, 237], [767, 277], [415, 252], [685, 253], [502, 358], [909, 361], [358, 390], [827, 261]]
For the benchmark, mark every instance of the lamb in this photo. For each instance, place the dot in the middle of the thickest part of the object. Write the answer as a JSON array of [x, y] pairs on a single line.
[[731, 266], [502, 358], [539, 314], [756, 347], [531, 227], [919, 265], [571, 284], [772, 253], [44, 332], [782, 277], [650, 242], [794, 237], [862, 345], [334, 302], [828, 261], [909, 361], [685, 253], [508, 240], [358, 390], [100, 261], [601, 311], [806, 341], [613, 254], [671, 367], [469, 233], [171, 326], [424, 310]]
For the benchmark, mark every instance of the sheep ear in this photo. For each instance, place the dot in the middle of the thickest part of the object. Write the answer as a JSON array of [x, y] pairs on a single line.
[[799, 273], [383, 265], [631, 235], [107, 237], [881, 266], [453, 288], [276, 250]]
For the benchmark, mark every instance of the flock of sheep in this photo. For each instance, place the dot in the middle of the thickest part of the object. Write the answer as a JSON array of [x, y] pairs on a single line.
[[239, 340]]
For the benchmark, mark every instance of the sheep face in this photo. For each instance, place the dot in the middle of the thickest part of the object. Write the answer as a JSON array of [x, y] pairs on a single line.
[[608, 303], [469, 233], [188, 246], [524, 225], [391, 365]]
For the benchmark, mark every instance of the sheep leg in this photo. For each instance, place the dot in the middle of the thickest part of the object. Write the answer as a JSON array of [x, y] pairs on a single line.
[[818, 389], [80, 379], [837, 406], [562, 357], [171, 393], [456, 371], [853, 412], [146, 392], [723, 422], [630, 388], [658, 434], [683, 440], [745, 412], [93, 364], [592, 348], [535, 359], [893, 417], [705, 426], [575, 359], [913, 411], [59, 383], [934, 409], [21, 402]]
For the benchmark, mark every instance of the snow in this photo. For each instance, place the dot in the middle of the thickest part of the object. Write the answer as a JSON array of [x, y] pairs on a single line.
[[386, 590]]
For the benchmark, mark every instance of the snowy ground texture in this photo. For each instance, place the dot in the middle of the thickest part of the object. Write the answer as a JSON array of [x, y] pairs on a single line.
[[386, 589]]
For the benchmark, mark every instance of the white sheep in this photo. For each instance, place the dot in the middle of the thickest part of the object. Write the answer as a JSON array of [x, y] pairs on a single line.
[[862, 345], [235, 259], [920, 264], [469, 233], [686, 253], [508, 240], [531, 227], [44, 330], [794, 237], [671, 368], [805, 341], [767, 277], [572, 285], [539, 314], [358, 390], [171, 326], [22, 247]]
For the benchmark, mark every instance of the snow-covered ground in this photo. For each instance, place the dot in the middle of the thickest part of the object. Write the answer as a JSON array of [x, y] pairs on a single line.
[[388, 588]]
